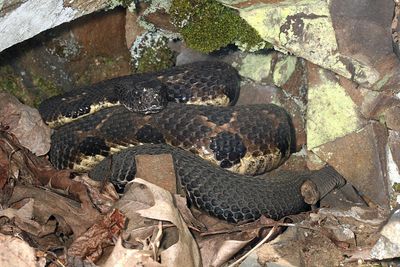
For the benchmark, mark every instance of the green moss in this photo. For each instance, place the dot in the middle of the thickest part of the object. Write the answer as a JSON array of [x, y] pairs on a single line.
[[11, 83], [150, 52], [207, 25], [45, 89], [396, 187]]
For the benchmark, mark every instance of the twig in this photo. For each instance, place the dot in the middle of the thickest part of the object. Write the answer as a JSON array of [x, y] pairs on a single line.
[[265, 239]]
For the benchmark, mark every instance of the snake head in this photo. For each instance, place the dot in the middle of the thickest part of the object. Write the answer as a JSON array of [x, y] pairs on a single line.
[[145, 97]]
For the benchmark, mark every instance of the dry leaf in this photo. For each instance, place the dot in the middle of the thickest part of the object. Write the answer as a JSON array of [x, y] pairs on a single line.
[[38, 171], [103, 195], [90, 245], [25, 212], [121, 257], [48, 203], [191, 221], [25, 123], [153, 202], [216, 251], [16, 252]]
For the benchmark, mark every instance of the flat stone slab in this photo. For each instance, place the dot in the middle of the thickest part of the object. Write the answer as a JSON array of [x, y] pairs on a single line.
[[361, 158], [331, 112], [157, 169]]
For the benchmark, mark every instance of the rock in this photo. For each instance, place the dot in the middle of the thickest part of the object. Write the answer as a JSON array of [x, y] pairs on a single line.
[[394, 146], [299, 247], [158, 170], [25, 19], [150, 52], [250, 261], [331, 112], [350, 38], [308, 31], [361, 158], [388, 245], [364, 215], [284, 251], [344, 197], [187, 55], [72, 55], [296, 85], [132, 27], [373, 104], [393, 162], [392, 118], [256, 66], [284, 68]]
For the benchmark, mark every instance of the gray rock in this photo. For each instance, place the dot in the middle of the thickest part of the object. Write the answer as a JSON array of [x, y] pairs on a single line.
[[388, 245]]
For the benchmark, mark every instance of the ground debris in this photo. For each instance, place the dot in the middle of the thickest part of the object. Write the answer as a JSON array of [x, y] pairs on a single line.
[[90, 245], [16, 252]]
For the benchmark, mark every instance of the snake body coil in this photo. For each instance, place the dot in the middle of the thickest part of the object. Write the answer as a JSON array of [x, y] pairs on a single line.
[[247, 140], [226, 195]]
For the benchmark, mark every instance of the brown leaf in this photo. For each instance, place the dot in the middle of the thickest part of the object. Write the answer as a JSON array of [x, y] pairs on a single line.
[[38, 171], [152, 202], [16, 252], [103, 195], [25, 123], [102, 234], [121, 256], [48, 203], [25, 212], [191, 221], [217, 251]]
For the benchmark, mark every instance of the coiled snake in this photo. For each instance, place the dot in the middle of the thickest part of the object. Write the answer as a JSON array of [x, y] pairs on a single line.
[[246, 140]]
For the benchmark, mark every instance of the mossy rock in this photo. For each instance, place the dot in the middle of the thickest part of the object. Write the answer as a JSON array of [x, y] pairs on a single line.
[[150, 52], [40, 89], [207, 25], [11, 83]]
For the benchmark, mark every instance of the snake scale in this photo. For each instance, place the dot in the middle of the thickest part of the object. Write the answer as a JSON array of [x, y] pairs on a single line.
[[93, 124]]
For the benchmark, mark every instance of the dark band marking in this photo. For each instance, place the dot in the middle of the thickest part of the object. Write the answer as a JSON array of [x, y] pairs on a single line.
[[228, 148], [93, 145]]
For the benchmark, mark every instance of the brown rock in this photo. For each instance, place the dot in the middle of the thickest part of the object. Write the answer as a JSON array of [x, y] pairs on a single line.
[[82, 52], [132, 27], [296, 85], [158, 170], [373, 103], [361, 158], [104, 54], [253, 93], [161, 20], [363, 32], [362, 29], [392, 118]]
